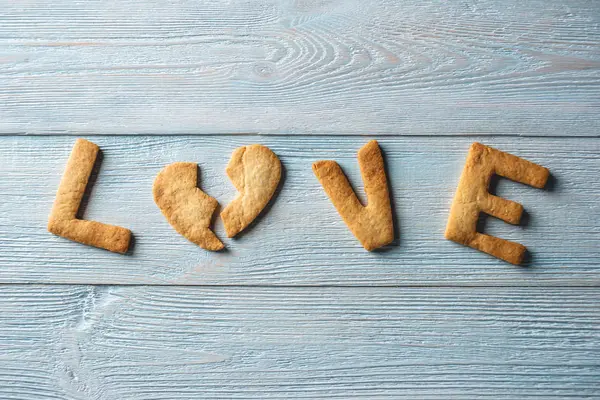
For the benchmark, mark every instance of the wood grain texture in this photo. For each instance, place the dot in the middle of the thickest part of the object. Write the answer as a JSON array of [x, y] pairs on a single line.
[[319, 77], [33, 322], [382, 67], [300, 240], [83, 342]]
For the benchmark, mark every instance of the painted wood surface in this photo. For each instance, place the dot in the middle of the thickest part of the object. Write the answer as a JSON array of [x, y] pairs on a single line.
[[85, 342], [382, 67], [300, 240], [295, 308]]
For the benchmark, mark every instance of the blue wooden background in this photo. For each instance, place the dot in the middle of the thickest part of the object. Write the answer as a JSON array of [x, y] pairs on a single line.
[[295, 308]]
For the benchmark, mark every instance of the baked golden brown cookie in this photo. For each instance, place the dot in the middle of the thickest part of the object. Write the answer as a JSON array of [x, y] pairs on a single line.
[[371, 224], [187, 208], [255, 172], [472, 197], [63, 217]]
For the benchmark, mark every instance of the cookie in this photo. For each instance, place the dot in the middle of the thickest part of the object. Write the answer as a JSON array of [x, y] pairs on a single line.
[[472, 197], [63, 217], [371, 224], [255, 172], [187, 208]]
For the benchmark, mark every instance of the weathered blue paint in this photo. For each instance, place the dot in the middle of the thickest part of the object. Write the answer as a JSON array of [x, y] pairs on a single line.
[[296, 308]]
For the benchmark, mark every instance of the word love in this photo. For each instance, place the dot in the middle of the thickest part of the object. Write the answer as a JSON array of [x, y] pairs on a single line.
[[255, 171]]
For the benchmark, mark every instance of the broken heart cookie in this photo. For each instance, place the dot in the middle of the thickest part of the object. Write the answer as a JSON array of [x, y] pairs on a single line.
[[255, 171], [187, 208], [472, 197], [63, 219], [371, 224]]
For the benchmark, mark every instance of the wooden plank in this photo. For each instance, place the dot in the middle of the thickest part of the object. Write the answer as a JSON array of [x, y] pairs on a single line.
[[388, 343], [32, 327], [301, 240], [272, 66]]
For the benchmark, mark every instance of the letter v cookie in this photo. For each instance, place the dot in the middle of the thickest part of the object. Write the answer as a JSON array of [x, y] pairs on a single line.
[[472, 197], [255, 172], [371, 224], [187, 208], [63, 218]]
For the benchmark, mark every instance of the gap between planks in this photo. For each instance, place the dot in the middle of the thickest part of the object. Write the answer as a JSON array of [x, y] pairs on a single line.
[[303, 286]]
